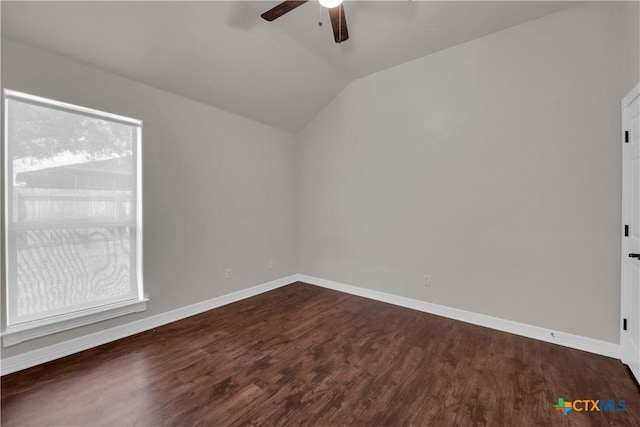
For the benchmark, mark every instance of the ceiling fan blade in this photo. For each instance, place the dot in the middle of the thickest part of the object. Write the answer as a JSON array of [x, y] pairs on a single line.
[[281, 9], [339, 23]]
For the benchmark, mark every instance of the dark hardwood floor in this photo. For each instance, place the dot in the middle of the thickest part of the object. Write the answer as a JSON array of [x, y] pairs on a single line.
[[303, 355]]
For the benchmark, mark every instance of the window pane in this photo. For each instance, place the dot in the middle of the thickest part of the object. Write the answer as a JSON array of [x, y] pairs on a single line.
[[59, 269], [72, 211]]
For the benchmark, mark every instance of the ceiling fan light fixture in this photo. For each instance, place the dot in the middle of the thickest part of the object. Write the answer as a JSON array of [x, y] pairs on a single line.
[[330, 4], [336, 15]]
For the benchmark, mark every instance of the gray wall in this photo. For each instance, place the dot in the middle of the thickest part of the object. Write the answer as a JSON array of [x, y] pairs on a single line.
[[493, 166], [218, 188], [631, 35]]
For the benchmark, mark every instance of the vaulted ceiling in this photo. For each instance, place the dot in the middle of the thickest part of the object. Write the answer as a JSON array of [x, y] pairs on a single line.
[[281, 73]]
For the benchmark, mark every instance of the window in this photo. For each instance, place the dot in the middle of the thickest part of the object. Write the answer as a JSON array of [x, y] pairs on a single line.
[[73, 218]]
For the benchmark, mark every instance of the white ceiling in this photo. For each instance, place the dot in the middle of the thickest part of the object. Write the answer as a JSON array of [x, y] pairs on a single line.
[[223, 54]]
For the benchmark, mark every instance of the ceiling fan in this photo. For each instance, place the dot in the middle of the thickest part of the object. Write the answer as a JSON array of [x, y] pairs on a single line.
[[336, 13]]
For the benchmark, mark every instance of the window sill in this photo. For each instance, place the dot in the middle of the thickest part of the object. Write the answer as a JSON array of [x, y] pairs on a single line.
[[16, 334]]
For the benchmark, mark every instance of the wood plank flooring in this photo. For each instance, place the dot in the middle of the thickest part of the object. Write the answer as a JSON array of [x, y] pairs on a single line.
[[304, 356]]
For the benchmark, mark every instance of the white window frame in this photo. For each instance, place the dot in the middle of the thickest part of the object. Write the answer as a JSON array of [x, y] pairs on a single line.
[[15, 334]]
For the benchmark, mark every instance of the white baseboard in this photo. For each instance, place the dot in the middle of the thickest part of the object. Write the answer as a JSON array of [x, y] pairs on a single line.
[[556, 337], [66, 348]]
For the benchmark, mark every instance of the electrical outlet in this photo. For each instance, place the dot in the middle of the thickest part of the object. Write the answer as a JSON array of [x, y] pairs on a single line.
[[427, 280], [271, 264], [228, 274]]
